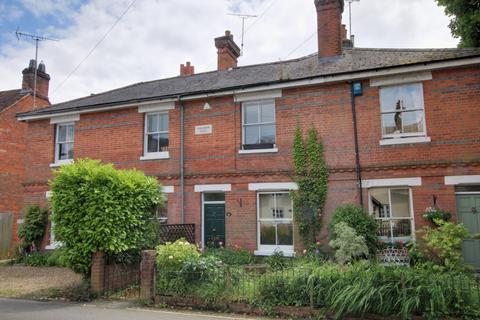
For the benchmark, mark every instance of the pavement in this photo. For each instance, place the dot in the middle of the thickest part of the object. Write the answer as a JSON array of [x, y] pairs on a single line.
[[16, 309]]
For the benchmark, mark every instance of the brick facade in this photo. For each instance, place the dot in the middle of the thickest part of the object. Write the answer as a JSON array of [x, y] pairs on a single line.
[[451, 103]]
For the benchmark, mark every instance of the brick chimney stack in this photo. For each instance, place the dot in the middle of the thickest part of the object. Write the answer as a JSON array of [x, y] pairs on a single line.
[[227, 50], [330, 31], [187, 69], [43, 79]]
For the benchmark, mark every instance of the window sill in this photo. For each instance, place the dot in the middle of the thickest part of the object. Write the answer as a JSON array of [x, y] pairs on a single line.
[[61, 163], [156, 156], [394, 141], [253, 151], [267, 253]]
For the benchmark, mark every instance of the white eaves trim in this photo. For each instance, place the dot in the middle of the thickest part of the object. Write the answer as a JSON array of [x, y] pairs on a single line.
[[428, 66], [213, 187], [454, 180], [394, 141], [401, 79], [397, 182], [159, 106], [168, 189], [256, 96], [272, 186], [64, 119]]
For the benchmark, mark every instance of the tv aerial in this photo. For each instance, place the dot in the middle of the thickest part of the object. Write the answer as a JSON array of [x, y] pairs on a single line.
[[350, 15], [243, 17]]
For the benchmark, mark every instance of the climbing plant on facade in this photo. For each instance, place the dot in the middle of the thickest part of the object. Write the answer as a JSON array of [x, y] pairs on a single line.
[[311, 176]]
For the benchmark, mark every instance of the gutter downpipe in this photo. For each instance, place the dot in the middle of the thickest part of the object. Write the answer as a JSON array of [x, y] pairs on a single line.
[[358, 168], [182, 160]]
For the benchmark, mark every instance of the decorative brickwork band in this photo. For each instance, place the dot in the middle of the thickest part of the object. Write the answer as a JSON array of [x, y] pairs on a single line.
[[147, 276], [97, 277]]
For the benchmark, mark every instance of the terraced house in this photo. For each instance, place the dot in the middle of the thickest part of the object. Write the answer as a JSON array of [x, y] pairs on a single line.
[[400, 128]]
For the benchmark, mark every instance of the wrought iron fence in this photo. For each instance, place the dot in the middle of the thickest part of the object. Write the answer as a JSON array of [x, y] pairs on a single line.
[[122, 276], [173, 232], [306, 287]]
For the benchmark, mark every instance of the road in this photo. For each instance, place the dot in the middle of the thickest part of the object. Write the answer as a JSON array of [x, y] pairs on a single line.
[[13, 309]]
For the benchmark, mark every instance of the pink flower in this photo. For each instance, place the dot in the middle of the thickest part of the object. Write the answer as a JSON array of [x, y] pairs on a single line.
[[318, 243], [304, 251]]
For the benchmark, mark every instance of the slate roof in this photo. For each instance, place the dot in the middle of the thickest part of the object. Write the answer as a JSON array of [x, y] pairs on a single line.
[[9, 97], [352, 60]]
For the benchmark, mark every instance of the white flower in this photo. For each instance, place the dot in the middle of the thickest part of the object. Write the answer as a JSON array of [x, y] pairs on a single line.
[[171, 257]]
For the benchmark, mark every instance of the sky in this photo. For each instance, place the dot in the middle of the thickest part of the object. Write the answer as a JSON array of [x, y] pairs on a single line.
[[151, 38]]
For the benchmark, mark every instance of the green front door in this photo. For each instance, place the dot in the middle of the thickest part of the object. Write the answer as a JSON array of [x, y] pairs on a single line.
[[468, 209], [214, 228]]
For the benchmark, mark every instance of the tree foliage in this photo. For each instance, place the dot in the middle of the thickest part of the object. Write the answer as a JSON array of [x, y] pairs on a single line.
[[99, 208], [347, 243], [465, 20], [311, 176], [33, 228]]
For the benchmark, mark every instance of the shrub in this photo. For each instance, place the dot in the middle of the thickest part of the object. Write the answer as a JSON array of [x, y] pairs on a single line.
[[443, 245], [347, 244], [357, 218], [99, 208], [44, 259], [33, 228], [172, 256], [203, 269], [230, 256], [277, 261]]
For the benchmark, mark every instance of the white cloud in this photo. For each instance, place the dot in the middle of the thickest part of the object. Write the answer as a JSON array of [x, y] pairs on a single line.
[[156, 36]]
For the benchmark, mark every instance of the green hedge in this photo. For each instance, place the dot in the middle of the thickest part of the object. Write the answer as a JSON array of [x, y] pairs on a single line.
[[99, 208]]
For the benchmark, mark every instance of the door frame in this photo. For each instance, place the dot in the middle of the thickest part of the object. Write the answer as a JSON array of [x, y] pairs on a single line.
[[203, 214]]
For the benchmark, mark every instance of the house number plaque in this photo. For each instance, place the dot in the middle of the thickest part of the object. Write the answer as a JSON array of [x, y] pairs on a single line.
[[205, 129]]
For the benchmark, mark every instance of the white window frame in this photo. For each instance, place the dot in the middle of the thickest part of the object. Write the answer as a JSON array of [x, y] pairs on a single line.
[[411, 218], [267, 250], [57, 143], [412, 135], [154, 155], [258, 102]]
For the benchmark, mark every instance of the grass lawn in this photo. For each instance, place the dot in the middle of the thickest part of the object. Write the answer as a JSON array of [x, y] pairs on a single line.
[[36, 282]]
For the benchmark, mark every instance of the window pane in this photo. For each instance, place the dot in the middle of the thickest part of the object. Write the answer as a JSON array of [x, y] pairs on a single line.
[[284, 234], [65, 151], [70, 132], [267, 112], [163, 122], [284, 206], [379, 203], [251, 113], [400, 203], [413, 121], [62, 133], [152, 143], [389, 98], [402, 228], [214, 196], [153, 123], [267, 233], [163, 141], [411, 96], [267, 134], [392, 123], [251, 135], [267, 208]]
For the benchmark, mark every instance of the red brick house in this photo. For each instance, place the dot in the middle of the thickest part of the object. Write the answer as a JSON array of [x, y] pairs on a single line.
[[12, 149], [221, 142]]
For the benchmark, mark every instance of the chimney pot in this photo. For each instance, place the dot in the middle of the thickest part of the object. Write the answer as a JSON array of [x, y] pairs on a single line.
[[187, 69], [43, 79], [330, 33], [227, 51]]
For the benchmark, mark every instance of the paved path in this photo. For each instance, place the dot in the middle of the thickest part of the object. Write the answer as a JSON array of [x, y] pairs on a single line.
[[13, 309]]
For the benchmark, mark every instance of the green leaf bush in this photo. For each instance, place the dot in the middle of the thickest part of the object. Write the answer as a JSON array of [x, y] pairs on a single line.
[[360, 220], [172, 256], [231, 256], [33, 228], [347, 244], [99, 208]]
